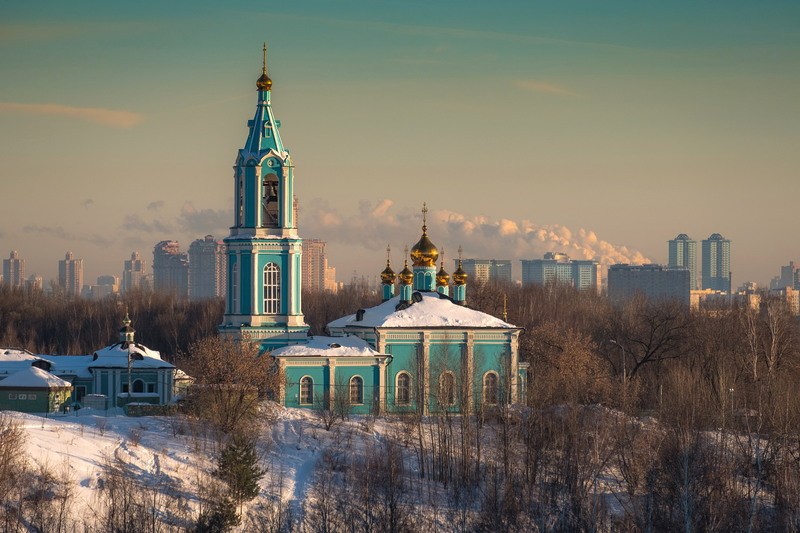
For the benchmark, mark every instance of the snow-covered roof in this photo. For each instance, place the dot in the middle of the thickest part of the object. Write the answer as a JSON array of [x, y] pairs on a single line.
[[321, 346], [13, 360], [431, 311], [33, 377], [116, 356]]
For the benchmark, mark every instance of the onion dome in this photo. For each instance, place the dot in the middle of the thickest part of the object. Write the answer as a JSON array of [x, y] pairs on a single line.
[[442, 277], [406, 276], [264, 83], [459, 276], [424, 253], [388, 276]]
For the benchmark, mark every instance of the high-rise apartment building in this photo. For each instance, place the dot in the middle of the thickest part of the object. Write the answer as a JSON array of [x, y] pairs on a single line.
[[70, 274], [14, 270], [656, 282], [170, 268], [316, 274], [486, 270], [559, 268], [133, 272], [683, 253], [717, 263], [207, 268], [788, 277]]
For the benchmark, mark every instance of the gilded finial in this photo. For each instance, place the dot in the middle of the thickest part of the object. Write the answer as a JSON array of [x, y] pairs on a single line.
[[388, 276], [424, 218], [459, 276], [264, 83]]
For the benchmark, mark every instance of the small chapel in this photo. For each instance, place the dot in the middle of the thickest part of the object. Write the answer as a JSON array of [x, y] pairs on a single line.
[[423, 349]]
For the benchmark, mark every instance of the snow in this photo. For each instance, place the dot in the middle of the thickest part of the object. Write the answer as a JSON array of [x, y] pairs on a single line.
[[321, 346], [116, 356], [33, 377], [432, 311]]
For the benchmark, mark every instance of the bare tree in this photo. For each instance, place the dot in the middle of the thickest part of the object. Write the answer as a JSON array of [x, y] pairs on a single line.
[[231, 378]]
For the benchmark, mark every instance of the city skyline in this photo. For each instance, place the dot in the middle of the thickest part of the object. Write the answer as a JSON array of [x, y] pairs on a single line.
[[600, 131]]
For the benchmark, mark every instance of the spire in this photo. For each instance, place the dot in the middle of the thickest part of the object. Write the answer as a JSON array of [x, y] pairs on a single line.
[[264, 83], [264, 135], [424, 218]]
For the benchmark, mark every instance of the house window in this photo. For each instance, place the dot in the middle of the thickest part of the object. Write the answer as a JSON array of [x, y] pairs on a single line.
[[447, 389], [306, 390], [12, 396], [80, 392], [138, 386], [22, 396], [356, 390], [490, 388], [272, 289], [151, 387], [403, 393], [31, 396]]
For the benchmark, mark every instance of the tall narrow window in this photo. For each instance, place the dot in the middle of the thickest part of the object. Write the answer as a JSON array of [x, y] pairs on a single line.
[[306, 390], [235, 286], [490, 388], [356, 390], [240, 207], [403, 393], [272, 289], [447, 389]]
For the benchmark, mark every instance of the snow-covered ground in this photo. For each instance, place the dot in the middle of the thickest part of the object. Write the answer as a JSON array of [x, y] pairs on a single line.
[[180, 454]]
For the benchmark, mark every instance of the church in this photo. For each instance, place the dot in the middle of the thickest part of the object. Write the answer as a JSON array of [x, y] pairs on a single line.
[[421, 350]]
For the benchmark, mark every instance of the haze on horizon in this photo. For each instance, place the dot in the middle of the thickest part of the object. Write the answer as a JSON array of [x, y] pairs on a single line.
[[590, 128]]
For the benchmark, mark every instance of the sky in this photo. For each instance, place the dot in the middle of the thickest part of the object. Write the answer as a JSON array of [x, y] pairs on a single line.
[[600, 129]]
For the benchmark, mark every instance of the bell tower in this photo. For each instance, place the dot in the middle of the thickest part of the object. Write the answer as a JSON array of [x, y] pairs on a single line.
[[263, 289]]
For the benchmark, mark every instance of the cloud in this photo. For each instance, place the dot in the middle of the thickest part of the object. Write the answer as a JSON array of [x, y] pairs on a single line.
[[105, 117], [155, 205], [204, 221], [60, 233], [481, 236], [134, 222], [544, 87]]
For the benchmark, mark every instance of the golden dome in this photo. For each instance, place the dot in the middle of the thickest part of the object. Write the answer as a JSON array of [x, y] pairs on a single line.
[[424, 253], [388, 276], [406, 276], [459, 276], [264, 83], [442, 277]]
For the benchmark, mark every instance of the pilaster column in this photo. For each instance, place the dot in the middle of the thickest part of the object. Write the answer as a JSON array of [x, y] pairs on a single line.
[[469, 373], [514, 362], [425, 370], [381, 384], [331, 382]]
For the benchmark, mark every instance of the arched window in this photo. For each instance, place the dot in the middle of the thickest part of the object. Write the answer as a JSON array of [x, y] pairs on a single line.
[[356, 390], [490, 388], [269, 199], [306, 390], [403, 393], [138, 386], [447, 389], [272, 289]]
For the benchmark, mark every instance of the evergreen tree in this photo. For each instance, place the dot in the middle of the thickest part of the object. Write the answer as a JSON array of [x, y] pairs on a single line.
[[238, 468]]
